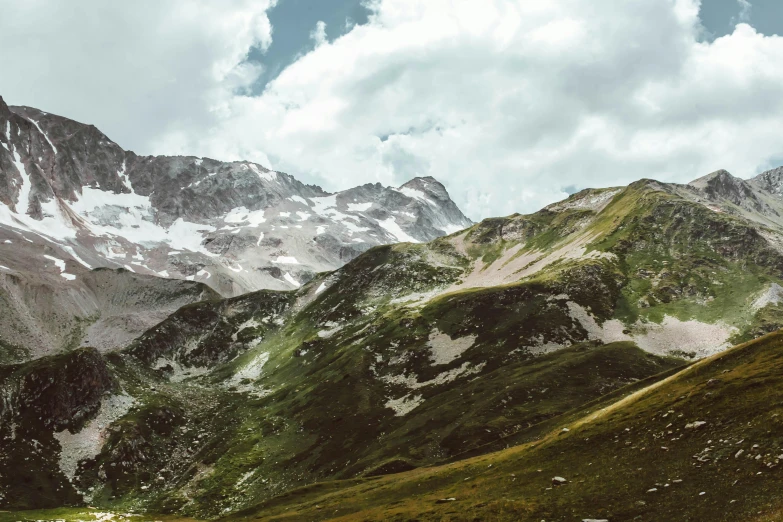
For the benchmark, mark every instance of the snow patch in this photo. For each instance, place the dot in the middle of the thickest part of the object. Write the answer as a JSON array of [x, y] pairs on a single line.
[[73, 254], [45, 136], [87, 444], [412, 382], [359, 207], [23, 200], [61, 265], [701, 339], [286, 260], [291, 280], [404, 405], [266, 175], [58, 262], [417, 194], [444, 349], [131, 216], [244, 478], [253, 218], [326, 206], [334, 328], [391, 226], [250, 323], [354, 228]]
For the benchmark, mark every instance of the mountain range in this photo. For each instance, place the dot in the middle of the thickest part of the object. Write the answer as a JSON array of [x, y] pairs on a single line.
[[613, 356], [73, 201]]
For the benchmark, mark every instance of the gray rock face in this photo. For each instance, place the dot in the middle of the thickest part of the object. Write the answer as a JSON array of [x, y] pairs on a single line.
[[722, 185], [43, 313], [759, 199], [770, 180], [235, 226]]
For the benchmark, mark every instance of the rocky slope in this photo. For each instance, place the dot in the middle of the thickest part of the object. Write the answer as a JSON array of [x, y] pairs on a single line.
[[103, 308], [413, 355], [235, 226]]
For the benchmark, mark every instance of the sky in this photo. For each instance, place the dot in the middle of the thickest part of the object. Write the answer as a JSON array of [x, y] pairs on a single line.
[[512, 104]]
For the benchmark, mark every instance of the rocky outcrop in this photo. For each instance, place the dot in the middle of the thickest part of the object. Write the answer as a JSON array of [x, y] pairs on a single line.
[[721, 186], [205, 334], [58, 392], [46, 410], [770, 180]]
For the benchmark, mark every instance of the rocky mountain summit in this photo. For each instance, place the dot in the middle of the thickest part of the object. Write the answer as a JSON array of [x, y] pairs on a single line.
[[758, 199], [235, 226]]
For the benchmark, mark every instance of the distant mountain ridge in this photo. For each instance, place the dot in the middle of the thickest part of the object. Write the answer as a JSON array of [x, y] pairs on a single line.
[[235, 226]]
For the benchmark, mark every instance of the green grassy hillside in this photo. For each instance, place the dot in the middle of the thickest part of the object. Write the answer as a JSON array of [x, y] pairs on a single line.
[[703, 444]]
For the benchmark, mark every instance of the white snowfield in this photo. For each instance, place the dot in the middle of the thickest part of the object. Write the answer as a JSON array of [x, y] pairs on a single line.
[[286, 260]]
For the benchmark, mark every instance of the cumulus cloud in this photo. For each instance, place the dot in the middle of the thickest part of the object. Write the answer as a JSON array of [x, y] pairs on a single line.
[[139, 70], [511, 104], [318, 35]]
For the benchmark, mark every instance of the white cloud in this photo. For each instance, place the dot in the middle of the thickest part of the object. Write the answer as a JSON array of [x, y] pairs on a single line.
[[318, 35], [744, 14], [506, 102], [138, 70]]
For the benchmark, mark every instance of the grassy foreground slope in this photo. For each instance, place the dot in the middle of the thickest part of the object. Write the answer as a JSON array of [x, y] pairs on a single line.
[[703, 444]]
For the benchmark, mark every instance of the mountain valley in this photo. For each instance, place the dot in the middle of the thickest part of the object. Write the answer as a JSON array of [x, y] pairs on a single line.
[[412, 366]]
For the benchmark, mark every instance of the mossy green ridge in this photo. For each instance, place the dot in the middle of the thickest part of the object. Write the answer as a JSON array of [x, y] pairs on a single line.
[[702, 444]]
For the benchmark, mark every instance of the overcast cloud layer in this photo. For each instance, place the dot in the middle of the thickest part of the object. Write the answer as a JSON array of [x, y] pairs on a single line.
[[509, 103]]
